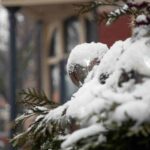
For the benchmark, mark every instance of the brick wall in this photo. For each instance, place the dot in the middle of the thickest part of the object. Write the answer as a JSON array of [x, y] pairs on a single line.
[[119, 30]]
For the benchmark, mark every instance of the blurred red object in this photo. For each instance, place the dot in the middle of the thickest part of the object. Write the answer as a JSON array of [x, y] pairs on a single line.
[[118, 30]]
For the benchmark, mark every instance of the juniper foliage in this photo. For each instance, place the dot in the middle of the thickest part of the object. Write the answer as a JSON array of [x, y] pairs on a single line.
[[46, 133]]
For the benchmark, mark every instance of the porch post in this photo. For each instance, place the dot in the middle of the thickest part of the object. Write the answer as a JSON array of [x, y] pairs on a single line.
[[39, 44], [13, 68]]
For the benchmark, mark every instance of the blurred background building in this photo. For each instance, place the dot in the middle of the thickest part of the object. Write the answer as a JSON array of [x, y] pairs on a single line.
[[36, 38]]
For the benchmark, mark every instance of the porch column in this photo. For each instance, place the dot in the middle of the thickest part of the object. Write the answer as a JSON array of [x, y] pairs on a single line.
[[13, 68], [39, 44]]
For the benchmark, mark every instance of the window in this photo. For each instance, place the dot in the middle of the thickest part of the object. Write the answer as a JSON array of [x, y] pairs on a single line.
[[55, 82], [71, 30], [64, 38], [91, 30]]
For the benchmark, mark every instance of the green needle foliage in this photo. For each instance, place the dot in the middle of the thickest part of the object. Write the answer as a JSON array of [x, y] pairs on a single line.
[[89, 6], [123, 8], [33, 97], [40, 132], [38, 106], [47, 133], [44, 133]]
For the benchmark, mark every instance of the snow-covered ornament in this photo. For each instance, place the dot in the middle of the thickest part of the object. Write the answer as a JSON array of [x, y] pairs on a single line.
[[82, 59]]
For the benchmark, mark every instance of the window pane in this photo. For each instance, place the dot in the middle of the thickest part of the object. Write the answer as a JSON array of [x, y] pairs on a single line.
[[53, 43], [72, 33], [55, 83], [91, 31]]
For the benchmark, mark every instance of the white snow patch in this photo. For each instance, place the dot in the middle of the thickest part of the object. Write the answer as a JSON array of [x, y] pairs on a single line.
[[83, 133], [136, 57], [56, 113], [110, 59], [137, 110], [84, 53], [141, 18]]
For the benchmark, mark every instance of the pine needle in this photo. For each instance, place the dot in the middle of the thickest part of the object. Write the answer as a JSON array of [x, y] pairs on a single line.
[[33, 98]]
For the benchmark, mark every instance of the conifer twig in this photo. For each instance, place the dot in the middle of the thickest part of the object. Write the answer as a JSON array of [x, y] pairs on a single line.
[[33, 97]]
